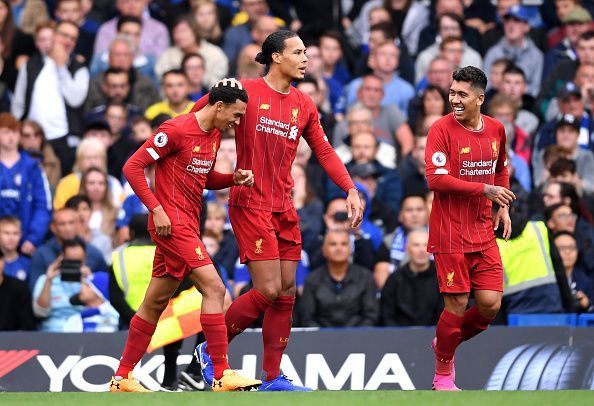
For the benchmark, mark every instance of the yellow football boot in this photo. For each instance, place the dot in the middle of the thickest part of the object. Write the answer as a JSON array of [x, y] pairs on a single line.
[[232, 381], [129, 384]]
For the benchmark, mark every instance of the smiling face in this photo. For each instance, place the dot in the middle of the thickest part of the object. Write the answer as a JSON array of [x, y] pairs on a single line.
[[228, 115], [465, 101]]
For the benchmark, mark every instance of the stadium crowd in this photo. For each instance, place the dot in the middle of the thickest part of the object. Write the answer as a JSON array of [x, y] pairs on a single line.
[[83, 83]]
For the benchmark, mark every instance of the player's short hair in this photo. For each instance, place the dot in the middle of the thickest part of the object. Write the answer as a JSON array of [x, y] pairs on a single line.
[[128, 19], [10, 220], [474, 76], [76, 200], [227, 91], [513, 69], [274, 43]]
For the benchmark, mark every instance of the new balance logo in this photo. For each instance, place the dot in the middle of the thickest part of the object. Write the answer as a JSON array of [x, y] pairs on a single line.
[[465, 150], [264, 106], [12, 359], [196, 148]]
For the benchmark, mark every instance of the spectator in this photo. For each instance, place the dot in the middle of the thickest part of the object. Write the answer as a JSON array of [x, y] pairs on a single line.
[[213, 246], [505, 109], [247, 67], [434, 101], [384, 62], [567, 133], [364, 149], [64, 227], [28, 14], [94, 185], [389, 121], [579, 283], [91, 152], [515, 87], [311, 86], [239, 35], [97, 314], [449, 25], [411, 296], [51, 90], [534, 280], [154, 38], [32, 141], [186, 41], [560, 217], [129, 28], [131, 269], [410, 16], [44, 37], [193, 67], [336, 218], [334, 70], [359, 119], [16, 46], [141, 130], [15, 303], [554, 192], [83, 207], [228, 251], [495, 79], [565, 71], [121, 145], [517, 46], [15, 265], [61, 281], [412, 169], [339, 294], [570, 102], [575, 23], [309, 208], [207, 20], [329, 89], [24, 190], [115, 87], [413, 214], [176, 89], [72, 10]]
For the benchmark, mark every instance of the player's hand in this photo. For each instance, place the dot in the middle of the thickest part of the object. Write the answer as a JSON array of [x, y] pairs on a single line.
[[354, 208], [28, 248], [503, 217], [499, 195], [162, 222], [243, 177]]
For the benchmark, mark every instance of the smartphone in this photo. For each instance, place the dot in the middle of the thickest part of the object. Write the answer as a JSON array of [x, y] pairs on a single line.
[[70, 270]]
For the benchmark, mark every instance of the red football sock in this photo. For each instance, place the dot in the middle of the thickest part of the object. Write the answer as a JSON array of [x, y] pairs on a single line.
[[473, 324], [215, 332], [139, 337], [275, 333], [448, 337], [244, 311]]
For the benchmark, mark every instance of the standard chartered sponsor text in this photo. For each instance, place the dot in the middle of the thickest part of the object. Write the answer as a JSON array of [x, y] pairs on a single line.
[[477, 168]]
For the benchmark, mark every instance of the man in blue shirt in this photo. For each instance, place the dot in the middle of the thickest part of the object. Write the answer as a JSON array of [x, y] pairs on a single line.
[[64, 227], [24, 189]]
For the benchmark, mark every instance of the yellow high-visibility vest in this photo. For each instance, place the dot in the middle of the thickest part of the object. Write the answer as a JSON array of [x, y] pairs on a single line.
[[527, 259], [133, 268]]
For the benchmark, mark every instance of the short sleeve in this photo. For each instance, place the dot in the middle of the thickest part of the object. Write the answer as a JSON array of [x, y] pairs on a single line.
[[164, 141]]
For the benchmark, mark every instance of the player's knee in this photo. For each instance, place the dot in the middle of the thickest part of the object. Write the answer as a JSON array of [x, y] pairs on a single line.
[[269, 291], [289, 291], [215, 290], [456, 303], [490, 308]]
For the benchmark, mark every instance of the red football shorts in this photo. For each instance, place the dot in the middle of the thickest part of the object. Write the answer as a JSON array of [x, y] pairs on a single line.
[[179, 253], [264, 235], [461, 272]]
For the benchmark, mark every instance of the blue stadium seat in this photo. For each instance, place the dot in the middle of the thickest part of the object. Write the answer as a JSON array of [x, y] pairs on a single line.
[[585, 320], [537, 320]]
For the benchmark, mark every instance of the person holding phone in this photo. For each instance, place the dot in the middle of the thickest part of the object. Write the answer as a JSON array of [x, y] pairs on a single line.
[[62, 280]]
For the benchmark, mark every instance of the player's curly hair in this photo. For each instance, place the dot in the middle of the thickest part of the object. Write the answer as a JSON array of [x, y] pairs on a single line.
[[274, 43], [475, 76], [227, 91]]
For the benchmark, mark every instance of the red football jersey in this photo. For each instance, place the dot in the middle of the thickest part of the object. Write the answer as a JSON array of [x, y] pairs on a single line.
[[184, 155], [459, 162], [267, 139]]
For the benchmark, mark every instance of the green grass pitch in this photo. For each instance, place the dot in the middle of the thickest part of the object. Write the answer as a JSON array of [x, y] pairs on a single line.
[[342, 398]]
